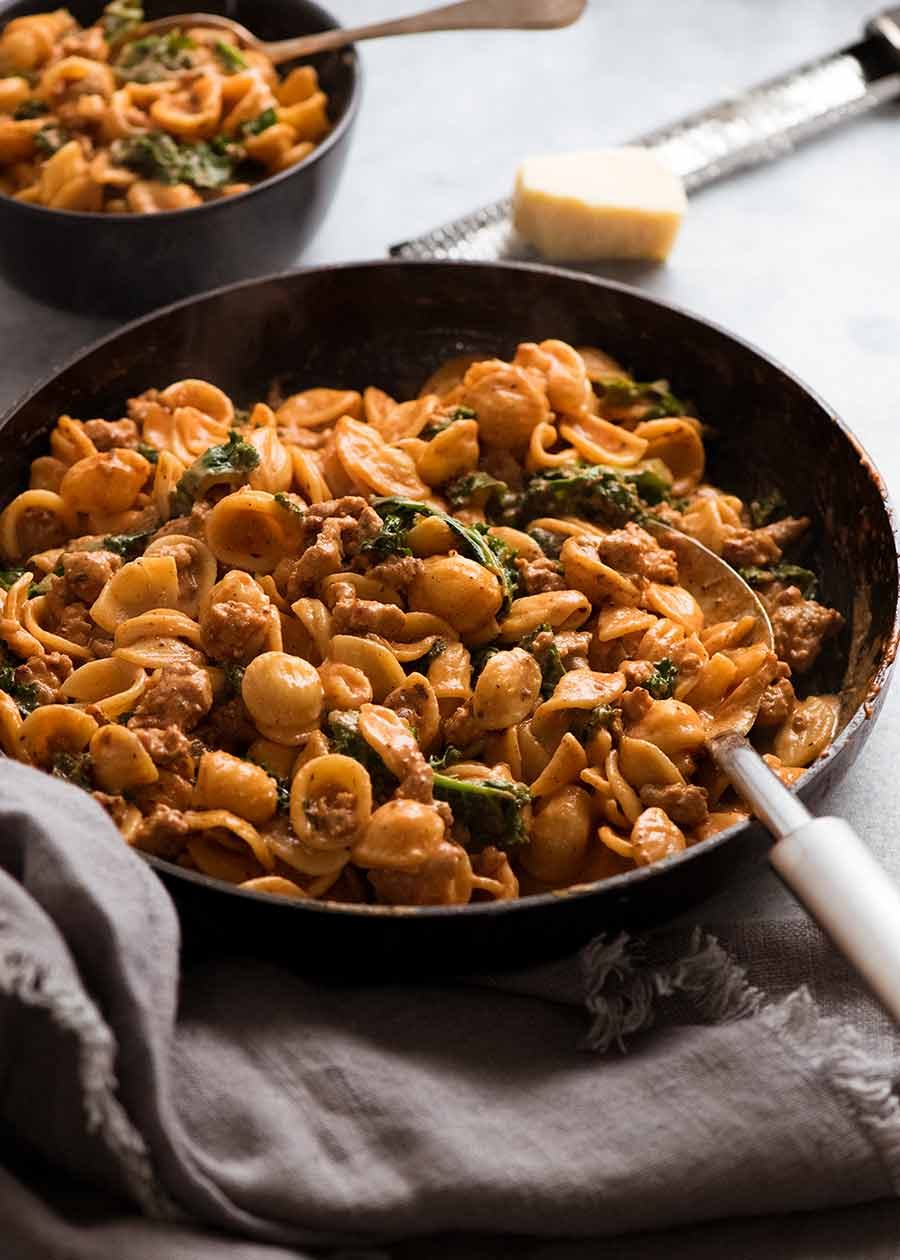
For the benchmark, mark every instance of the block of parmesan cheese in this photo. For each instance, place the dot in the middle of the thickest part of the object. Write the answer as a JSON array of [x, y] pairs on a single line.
[[608, 203]]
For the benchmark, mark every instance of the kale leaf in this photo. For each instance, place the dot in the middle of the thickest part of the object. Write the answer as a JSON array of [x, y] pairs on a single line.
[[793, 574], [491, 809], [9, 577], [770, 507], [285, 501], [656, 394], [155, 155], [598, 719], [234, 680], [438, 648], [661, 682], [587, 490], [76, 767], [443, 422], [155, 57], [346, 740], [477, 490], [548, 658], [31, 108], [476, 543], [232, 58], [262, 122], [128, 545], [229, 464], [549, 542], [50, 139], [390, 542], [150, 453], [24, 694]]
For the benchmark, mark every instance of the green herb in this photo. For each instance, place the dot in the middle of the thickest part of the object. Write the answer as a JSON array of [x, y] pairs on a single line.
[[390, 542], [262, 122], [31, 108], [491, 809], [76, 767], [595, 493], [156, 155], [599, 719], [234, 680], [438, 648], [793, 574], [476, 490], [229, 464], [661, 682], [549, 659], [50, 139], [150, 453], [653, 482], [9, 577], [655, 394], [232, 58], [24, 694], [771, 507], [346, 739], [449, 757], [155, 57], [120, 16], [285, 501], [282, 793], [438, 426], [549, 542], [480, 656], [495, 555], [128, 545]]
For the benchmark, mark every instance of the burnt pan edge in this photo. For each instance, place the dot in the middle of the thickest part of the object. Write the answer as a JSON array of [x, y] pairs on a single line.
[[745, 839]]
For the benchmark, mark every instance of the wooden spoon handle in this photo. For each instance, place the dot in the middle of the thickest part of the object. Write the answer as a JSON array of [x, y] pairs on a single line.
[[469, 15]]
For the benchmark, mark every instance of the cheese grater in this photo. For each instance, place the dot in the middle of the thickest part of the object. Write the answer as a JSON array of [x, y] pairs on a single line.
[[756, 126]]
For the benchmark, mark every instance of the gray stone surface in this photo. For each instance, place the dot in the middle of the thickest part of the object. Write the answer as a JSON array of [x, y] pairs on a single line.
[[801, 257]]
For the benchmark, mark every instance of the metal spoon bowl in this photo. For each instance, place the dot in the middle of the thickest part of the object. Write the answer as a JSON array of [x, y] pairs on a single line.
[[821, 860], [469, 15]]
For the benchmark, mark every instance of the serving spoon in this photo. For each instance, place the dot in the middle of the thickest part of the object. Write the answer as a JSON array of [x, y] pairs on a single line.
[[467, 16], [821, 860]]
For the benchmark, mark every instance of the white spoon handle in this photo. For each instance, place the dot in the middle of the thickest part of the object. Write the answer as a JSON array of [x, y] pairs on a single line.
[[851, 897]]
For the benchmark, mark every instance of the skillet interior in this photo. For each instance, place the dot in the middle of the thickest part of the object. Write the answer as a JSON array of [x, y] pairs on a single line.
[[390, 324]]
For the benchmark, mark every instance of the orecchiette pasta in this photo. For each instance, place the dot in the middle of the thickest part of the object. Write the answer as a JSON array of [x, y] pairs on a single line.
[[162, 122], [344, 646]]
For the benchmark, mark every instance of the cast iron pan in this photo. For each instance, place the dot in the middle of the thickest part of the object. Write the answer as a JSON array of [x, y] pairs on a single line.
[[390, 324]]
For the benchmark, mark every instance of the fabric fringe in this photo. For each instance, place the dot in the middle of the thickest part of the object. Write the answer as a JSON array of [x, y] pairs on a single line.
[[25, 979], [623, 990], [837, 1052]]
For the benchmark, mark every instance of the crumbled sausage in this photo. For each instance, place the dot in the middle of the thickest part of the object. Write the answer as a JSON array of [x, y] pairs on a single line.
[[163, 832], [167, 746], [636, 703], [573, 647], [333, 816], [636, 553], [228, 726], [194, 525], [181, 695], [233, 630], [331, 534], [169, 789], [538, 576], [116, 806], [47, 673], [777, 702], [686, 804], [787, 531], [398, 572], [749, 547], [109, 434], [87, 572], [367, 616], [800, 627], [636, 672]]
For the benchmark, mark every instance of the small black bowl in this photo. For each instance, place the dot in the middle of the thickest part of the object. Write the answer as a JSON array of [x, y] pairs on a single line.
[[125, 264]]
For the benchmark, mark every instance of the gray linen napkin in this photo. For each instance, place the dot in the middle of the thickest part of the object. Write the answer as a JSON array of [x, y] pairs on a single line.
[[241, 1098]]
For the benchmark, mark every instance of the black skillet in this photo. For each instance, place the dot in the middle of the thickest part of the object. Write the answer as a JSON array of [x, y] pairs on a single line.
[[391, 324]]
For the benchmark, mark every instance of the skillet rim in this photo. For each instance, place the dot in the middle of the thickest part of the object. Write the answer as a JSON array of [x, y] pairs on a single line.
[[867, 711]]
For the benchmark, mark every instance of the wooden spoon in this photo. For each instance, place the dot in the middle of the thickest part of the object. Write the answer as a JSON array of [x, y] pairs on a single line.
[[821, 860], [470, 15]]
